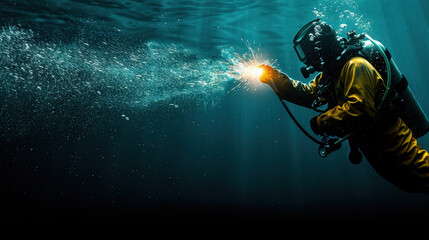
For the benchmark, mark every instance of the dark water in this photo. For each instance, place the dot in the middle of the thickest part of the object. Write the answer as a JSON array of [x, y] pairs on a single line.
[[130, 108]]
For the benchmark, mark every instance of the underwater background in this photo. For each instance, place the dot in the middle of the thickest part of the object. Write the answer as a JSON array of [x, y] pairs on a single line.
[[131, 108]]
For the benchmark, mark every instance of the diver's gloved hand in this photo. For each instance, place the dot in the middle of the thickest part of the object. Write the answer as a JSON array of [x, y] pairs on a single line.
[[270, 74], [315, 126]]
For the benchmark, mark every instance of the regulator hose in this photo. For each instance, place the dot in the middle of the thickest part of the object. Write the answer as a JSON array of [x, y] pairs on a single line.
[[293, 117], [389, 71]]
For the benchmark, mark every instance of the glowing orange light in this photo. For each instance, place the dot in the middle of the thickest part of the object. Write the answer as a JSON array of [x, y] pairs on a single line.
[[256, 72], [246, 68], [251, 72]]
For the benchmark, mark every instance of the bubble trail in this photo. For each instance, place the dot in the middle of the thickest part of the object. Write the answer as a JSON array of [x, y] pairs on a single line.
[[47, 85]]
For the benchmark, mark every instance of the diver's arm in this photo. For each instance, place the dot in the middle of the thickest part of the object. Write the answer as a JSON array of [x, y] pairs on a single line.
[[291, 90], [300, 93], [359, 83]]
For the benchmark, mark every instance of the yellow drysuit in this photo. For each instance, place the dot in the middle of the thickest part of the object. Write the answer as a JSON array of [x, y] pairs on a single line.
[[388, 146]]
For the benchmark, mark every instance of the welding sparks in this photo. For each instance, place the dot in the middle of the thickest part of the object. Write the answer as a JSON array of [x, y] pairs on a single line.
[[253, 73], [246, 69]]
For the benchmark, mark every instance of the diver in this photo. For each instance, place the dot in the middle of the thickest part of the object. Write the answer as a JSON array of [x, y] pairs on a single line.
[[366, 99]]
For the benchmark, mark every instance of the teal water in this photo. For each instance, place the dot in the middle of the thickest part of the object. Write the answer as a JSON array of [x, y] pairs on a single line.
[[131, 107]]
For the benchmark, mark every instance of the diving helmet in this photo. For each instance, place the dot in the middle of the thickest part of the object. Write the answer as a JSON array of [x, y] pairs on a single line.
[[317, 46]]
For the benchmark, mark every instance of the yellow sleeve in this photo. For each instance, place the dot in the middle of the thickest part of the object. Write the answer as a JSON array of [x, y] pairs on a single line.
[[356, 91], [297, 92]]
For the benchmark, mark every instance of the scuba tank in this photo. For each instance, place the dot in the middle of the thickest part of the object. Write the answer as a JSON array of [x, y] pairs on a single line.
[[405, 103]]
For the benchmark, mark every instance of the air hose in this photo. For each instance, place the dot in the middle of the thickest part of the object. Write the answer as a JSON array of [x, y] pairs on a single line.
[[292, 116], [389, 71]]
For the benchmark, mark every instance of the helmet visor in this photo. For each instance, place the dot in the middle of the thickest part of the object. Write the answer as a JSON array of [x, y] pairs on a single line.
[[300, 53]]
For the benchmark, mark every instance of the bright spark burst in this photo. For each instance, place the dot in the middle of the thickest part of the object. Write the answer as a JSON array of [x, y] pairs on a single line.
[[251, 71], [246, 68]]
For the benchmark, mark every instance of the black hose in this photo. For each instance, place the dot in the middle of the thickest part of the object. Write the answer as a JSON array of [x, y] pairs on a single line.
[[297, 123]]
